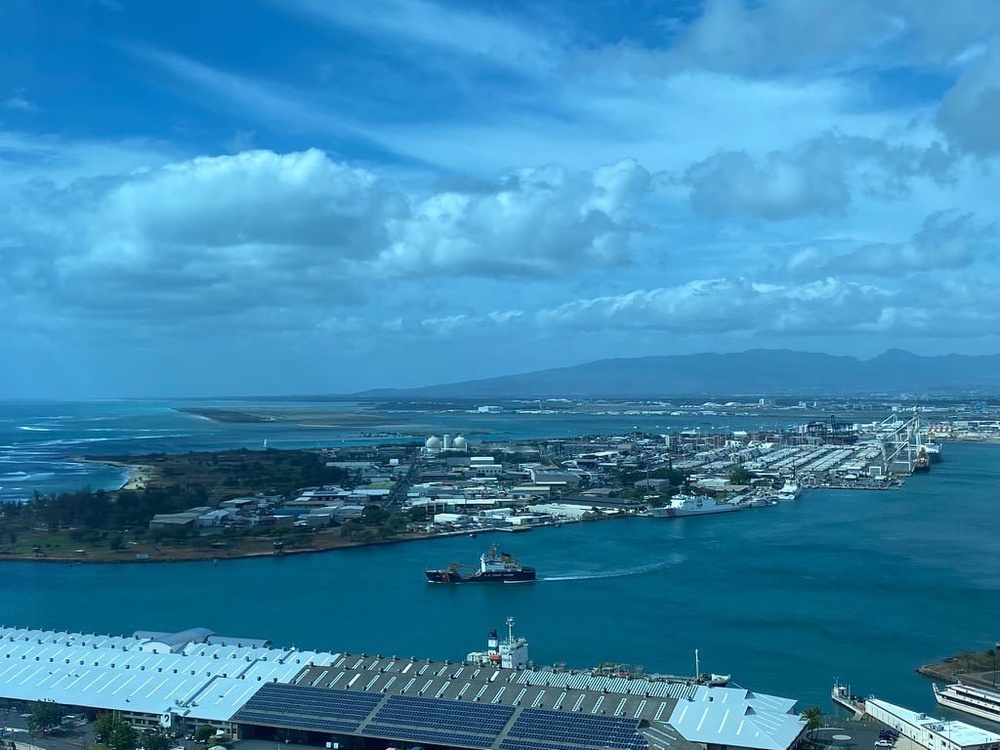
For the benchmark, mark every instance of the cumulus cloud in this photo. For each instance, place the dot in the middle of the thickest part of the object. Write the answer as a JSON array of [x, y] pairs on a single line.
[[544, 221], [778, 188], [774, 35], [948, 240], [791, 37], [815, 178], [223, 234]]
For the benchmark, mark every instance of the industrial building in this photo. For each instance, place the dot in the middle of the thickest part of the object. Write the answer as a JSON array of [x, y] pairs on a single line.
[[251, 689], [931, 733]]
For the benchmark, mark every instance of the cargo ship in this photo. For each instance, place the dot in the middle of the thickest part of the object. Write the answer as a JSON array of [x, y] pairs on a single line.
[[494, 567]]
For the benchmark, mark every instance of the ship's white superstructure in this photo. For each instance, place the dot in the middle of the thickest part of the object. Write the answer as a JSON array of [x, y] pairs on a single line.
[[972, 700], [692, 505], [509, 654]]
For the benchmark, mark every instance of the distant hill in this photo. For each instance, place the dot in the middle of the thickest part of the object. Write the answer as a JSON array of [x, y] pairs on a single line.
[[758, 372]]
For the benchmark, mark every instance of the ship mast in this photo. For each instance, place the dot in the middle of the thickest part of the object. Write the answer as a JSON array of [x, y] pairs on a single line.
[[510, 630], [697, 665]]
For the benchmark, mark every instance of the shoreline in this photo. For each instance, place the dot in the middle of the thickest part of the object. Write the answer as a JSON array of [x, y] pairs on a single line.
[[217, 556], [139, 476]]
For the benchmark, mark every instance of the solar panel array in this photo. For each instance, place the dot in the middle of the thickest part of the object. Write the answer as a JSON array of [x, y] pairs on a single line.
[[299, 707], [440, 722], [430, 736], [509, 744], [578, 730]]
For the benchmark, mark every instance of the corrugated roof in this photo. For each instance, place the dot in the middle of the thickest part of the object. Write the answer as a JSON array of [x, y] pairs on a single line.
[[202, 680], [733, 716]]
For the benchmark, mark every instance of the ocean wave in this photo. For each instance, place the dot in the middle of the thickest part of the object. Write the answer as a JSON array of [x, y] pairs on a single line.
[[28, 476], [111, 439], [33, 428]]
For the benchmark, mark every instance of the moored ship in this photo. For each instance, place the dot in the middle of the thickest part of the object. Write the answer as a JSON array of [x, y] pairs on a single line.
[[933, 451], [512, 653], [494, 567], [692, 505], [972, 700]]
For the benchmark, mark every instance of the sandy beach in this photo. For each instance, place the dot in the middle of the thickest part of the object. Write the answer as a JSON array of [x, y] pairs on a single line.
[[138, 478]]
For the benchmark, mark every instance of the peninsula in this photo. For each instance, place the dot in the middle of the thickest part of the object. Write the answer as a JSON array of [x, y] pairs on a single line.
[[238, 503]]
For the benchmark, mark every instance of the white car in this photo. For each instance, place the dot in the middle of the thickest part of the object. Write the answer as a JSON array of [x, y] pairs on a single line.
[[883, 743]]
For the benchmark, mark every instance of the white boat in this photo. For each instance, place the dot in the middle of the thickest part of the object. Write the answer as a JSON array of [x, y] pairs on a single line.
[[789, 491], [692, 505], [972, 700]]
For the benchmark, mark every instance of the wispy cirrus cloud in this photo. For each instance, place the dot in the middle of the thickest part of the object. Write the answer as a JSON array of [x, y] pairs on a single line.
[[463, 31]]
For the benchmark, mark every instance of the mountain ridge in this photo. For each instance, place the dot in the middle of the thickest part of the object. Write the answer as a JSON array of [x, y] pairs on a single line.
[[761, 372]]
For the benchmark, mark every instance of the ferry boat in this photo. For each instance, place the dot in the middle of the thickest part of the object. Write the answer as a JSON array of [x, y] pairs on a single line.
[[692, 505], [494, 567], [972, 700]]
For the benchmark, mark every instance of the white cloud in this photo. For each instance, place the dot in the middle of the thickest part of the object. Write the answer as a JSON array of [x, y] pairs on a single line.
[[817, 177], [778, 35], [948, 240], [789, 37], [469, 33], [18, 102], [293, 232], [273, 103], [544, 221], [729, 305]]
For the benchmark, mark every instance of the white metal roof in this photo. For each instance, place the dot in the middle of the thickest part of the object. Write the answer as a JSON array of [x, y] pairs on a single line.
[[737, 717], [957, 732], [201, 680]]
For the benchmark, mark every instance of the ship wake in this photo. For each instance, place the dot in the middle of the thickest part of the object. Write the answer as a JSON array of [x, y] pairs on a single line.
[[637, 570]]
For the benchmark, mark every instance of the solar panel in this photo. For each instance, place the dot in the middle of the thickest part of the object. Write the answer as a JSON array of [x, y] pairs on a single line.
[[431, 736], [412, 711], [307, 708], [539, 727]]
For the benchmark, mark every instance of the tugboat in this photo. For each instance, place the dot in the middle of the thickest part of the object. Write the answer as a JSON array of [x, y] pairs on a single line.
[[494, 567]]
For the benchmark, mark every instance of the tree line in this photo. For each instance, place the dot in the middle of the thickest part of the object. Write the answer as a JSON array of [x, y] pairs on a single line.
[[110, 731]]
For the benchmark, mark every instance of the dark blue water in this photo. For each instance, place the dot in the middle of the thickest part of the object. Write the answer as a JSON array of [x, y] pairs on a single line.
[[863, 586]]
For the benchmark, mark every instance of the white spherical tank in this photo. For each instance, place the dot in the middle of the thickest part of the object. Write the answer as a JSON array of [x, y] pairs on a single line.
[[433, 443], [459, 443]]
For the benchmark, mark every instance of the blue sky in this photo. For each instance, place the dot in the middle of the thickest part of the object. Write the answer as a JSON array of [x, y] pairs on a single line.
[[315, 196]]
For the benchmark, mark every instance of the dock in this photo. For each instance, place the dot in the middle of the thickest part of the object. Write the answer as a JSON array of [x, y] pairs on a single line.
[[841, 695]]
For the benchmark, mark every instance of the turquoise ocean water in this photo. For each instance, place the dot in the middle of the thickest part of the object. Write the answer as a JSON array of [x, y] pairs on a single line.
[[863, 586]]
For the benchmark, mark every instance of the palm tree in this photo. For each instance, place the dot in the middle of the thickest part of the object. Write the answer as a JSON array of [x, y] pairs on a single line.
[[813, 716]]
